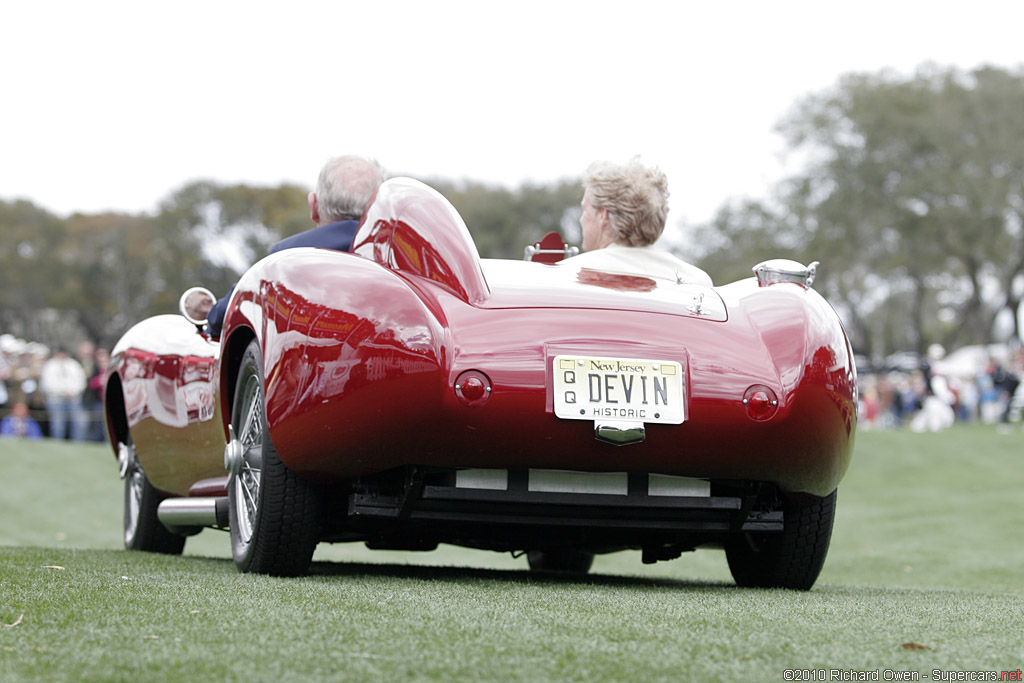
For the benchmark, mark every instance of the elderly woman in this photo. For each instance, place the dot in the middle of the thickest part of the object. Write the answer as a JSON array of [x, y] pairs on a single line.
[[624, 213]]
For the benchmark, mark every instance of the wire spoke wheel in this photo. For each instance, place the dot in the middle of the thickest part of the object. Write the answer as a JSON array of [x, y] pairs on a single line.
[[274, 513], [246, 484], [142, 528], [132, 503]]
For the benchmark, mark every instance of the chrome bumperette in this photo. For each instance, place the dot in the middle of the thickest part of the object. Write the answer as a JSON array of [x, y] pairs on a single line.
[[619, 433], [784, 270], [126, 461]]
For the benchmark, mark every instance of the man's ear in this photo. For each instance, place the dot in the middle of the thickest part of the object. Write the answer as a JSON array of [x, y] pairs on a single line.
[[314, 208]]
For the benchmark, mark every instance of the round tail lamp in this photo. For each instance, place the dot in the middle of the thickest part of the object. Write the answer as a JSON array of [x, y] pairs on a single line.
[[760, 402], [473, 388]]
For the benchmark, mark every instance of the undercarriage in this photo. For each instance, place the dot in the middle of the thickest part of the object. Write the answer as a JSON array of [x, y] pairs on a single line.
[[416, 508]]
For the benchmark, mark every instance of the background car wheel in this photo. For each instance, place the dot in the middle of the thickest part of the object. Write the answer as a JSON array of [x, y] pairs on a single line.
[[564, 561], [792, 559], [142, 529], [274, 516]]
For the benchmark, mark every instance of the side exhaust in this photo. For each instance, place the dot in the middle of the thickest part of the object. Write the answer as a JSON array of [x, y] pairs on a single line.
[[188, 516]]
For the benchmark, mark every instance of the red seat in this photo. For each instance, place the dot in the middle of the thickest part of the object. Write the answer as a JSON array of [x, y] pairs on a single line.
[[550, 249]]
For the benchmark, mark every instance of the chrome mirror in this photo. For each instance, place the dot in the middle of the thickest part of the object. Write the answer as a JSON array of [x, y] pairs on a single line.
[[195, 305], [784, 270]]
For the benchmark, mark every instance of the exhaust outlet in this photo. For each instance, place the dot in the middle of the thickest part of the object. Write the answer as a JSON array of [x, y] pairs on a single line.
[[188, 516]]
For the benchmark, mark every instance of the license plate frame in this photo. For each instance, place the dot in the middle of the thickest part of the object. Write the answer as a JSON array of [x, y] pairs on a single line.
[[587, 387]]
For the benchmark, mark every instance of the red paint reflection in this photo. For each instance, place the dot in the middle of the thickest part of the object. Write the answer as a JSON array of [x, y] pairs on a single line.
[[623, 283]]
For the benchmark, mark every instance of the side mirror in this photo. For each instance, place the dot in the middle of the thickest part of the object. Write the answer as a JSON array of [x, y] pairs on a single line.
[[195, 305]]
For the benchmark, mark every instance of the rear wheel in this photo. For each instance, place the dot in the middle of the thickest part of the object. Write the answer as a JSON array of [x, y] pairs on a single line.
[[274, 515], [142, 529], [561, 560], [792, 559]]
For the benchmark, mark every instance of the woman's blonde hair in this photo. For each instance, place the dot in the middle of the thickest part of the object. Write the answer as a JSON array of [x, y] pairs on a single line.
[[635, 196]]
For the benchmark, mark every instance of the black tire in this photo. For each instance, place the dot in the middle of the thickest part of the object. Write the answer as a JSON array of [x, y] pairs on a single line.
[[274, 513], [562, 561], [142, 529], [792, 559]]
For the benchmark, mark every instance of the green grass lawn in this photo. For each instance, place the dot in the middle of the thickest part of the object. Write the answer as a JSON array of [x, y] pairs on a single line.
[[925, 573]]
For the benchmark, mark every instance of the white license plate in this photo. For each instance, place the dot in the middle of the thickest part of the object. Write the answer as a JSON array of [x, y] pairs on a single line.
[[594, 388]]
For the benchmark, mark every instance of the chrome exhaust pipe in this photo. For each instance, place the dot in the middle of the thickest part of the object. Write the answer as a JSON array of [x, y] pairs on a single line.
[[188, 516]]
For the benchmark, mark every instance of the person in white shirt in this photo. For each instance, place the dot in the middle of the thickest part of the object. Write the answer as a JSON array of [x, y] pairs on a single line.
[[624, 214], [62, 381]]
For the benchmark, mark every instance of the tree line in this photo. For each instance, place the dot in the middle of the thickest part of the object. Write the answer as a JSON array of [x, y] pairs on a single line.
[[911, 196], [91, 276], [910, 193]]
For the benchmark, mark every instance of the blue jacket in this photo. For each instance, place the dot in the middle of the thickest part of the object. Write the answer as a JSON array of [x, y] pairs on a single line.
[[337, 236], [27, 428]]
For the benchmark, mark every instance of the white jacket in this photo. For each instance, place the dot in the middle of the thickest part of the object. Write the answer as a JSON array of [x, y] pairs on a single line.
[[62, 378], [647, 261]]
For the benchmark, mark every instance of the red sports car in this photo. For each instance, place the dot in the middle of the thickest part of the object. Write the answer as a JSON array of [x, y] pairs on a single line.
[[411, 393]]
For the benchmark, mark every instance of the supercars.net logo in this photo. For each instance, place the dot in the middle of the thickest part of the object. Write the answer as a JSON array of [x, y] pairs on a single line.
[[893, 675]]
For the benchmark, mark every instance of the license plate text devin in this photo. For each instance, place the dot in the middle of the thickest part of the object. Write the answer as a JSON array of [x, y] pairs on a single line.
[[593, 388]]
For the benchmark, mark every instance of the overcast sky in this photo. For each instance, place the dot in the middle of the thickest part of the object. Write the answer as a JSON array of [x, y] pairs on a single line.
[[113, 105]]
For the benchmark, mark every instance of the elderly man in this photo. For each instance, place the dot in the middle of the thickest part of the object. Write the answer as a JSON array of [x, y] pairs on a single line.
[[624, 213], [344, 188], [342, 192]]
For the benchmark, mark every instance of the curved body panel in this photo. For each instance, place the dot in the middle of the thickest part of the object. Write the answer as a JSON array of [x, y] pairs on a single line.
[[166, 375], [362, 368]]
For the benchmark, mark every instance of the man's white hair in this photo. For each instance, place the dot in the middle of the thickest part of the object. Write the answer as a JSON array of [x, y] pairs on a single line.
[[345, 186]]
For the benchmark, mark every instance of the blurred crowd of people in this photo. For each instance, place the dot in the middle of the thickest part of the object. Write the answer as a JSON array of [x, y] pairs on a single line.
[[51, 393], [936, 395], [57, 394]]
